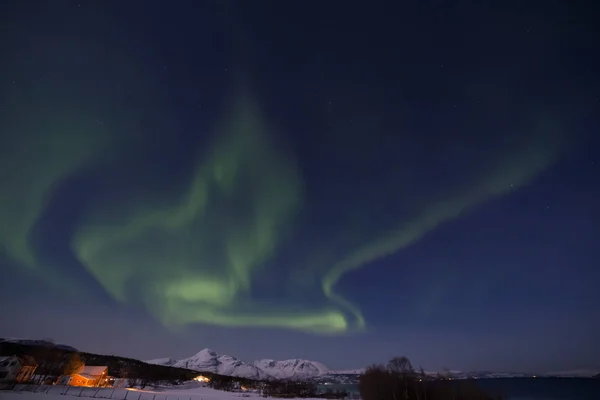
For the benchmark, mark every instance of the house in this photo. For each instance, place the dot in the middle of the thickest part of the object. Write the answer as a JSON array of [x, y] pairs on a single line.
[[17, 368], [89, 375], [202, 378]]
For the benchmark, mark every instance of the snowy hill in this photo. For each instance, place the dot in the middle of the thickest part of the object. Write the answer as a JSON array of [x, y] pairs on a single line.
[[169, 362], [209, 361], [38, 342]]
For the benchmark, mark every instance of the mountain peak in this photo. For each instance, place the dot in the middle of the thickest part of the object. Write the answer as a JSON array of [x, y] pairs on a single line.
[[208, 360], [207, 352]]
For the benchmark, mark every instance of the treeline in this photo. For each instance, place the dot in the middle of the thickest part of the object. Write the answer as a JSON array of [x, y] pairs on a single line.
[[399, 381], [232, 383], [56, 361], [296, 389], [289, 389], [275, 388]]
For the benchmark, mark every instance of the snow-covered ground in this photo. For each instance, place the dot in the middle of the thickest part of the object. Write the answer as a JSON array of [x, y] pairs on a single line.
[[192, 391]]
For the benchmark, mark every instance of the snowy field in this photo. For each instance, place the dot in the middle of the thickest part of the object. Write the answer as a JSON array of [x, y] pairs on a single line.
[[192, 391]]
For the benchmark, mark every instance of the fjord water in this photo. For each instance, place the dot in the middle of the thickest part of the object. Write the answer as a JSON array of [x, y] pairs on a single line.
[[544, 388], [528, 388]]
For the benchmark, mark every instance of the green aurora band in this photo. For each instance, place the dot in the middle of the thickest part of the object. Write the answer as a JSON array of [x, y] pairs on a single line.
[[205, 249], [30, 167], [193, 260], [201, 257]]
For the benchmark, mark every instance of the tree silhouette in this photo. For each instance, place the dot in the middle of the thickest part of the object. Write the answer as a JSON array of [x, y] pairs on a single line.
[[400, 365], [398, 381], [73, 364], [48, 359]]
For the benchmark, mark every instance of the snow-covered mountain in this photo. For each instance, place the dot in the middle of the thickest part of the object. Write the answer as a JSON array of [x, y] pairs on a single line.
[[294, 369], [209, 361]]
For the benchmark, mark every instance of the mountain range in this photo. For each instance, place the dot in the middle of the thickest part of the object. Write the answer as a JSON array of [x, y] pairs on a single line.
[[208, 360], [297, 369]]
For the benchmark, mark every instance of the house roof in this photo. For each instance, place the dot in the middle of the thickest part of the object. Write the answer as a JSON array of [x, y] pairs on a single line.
[[93, 370], [87, 376]]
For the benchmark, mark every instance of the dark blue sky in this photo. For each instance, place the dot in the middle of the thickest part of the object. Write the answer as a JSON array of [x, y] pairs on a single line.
[[332, 181]]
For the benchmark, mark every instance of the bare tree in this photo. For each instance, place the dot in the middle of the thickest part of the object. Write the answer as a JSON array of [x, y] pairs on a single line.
[[400, 365]]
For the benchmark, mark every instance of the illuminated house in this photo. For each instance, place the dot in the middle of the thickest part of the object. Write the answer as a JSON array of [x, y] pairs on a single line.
[[17, 368], [89, 376], [201, 378]]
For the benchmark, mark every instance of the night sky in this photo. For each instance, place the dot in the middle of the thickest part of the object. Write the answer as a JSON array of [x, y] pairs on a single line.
[[338, 181]]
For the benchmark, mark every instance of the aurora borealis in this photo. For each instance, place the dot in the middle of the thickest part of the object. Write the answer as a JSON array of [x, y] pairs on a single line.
[[169, 172]]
